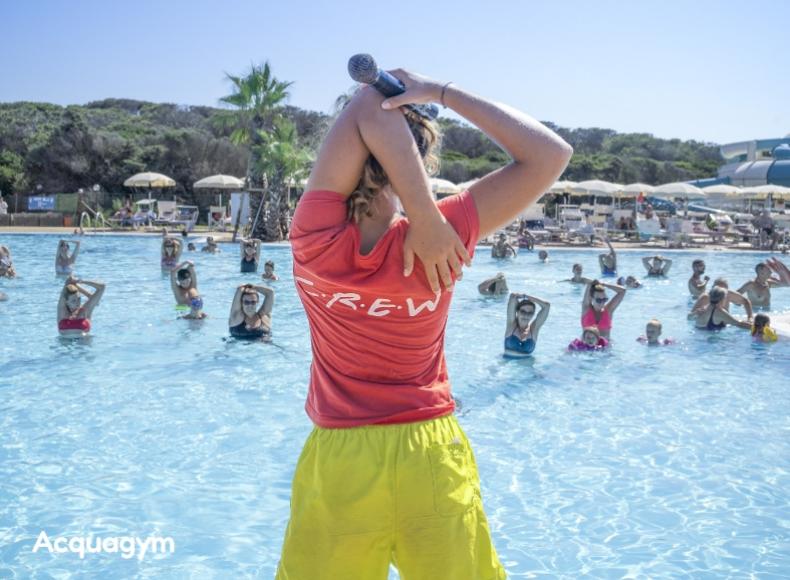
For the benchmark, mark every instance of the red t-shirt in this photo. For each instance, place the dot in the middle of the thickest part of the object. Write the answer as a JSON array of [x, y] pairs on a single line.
[[377, 337]]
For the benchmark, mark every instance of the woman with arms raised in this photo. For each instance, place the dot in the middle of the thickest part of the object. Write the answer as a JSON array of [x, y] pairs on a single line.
[[387, 473], [74, 317]]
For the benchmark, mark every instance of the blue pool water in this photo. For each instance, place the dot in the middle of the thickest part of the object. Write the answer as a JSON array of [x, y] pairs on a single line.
[[643, 463]]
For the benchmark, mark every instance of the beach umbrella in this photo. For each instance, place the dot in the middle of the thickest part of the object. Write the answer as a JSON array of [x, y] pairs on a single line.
[[597, 188], [722, 190], [633, 189], [678, 189], [562, 187], [444, 187], [763, 191], [219, 182], [149, 180]]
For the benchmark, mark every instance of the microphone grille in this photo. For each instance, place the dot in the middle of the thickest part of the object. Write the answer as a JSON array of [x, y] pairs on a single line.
[[363, 68]]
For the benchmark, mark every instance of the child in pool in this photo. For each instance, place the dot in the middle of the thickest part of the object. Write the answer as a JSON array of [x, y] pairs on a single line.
[[652, 335], [591, 340], [761, 329]]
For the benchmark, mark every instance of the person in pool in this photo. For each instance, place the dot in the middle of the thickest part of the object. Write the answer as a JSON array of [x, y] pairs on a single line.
[[171, 252], [501, 249], [365, 490], [74, 318], [543, 256], [591, 340], [249, 317], [731, 297], [191, 247], [250, 255], [268, 271], [64, 263], [521, 331], [629, 282], [698, 283], [6, 263], [608, 261], [761, 329], [652, 336], [759, 289], [183, 281], [211, 246], [577, 277], [493, 286], [714, 316], [657, 265], [597, 310]]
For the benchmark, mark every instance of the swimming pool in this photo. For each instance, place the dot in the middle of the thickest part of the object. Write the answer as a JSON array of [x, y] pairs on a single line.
[[637, 462]]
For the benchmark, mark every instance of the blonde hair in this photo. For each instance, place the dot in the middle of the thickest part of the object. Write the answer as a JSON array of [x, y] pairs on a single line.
[[71, 289], [373, 179], [655, 322], [593, 329]]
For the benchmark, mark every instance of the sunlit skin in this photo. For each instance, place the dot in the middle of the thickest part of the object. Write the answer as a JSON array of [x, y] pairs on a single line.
[[697, 283]]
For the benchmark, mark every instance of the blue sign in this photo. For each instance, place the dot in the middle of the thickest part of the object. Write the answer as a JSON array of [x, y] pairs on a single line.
[[41, 203]]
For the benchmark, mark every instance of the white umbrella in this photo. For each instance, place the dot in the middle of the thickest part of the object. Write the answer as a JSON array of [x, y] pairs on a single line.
[[596, 187], [678, 189], [637, 188], [763, 191], [722, 190], [149, 180], [219, 182], [443, 186], [562, 187]]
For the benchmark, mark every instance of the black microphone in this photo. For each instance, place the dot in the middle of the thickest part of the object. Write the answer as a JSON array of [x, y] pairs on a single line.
[[363, 69]]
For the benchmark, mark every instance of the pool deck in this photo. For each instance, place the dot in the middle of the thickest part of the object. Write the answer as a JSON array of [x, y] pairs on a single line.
[[226, 237]]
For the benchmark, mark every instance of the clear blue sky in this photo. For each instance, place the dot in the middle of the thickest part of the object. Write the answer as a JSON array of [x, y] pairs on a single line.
[[708, 70]]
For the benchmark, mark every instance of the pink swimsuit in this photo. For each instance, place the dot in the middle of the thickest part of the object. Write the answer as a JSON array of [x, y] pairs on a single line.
[[604, 324]]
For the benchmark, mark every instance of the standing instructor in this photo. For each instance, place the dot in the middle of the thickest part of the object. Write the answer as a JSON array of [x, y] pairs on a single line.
[[387, 475]]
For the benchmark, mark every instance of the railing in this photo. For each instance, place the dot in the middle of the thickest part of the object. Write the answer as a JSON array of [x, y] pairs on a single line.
[[98, 220]]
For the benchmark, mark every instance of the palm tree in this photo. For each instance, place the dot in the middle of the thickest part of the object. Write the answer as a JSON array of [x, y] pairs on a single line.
[[284, 162], [258, 100]]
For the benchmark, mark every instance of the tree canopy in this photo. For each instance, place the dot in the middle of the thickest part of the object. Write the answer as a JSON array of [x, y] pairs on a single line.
[[103, 142]]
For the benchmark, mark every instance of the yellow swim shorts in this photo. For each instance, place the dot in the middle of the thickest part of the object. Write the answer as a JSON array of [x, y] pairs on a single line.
[[407, 494]]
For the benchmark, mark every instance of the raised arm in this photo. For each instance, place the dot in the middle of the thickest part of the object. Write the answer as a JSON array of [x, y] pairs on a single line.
[[647, 264], [744, 301], [541, 317], [192, 272], [510, 322], [667, 266], [587, 300], [538, 154], [76, 251], [364, 128], [236, 315], [619, 293], [257, 243], [268, 300], [94, 298], [484, 286], [781, 270], [62, 313]]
